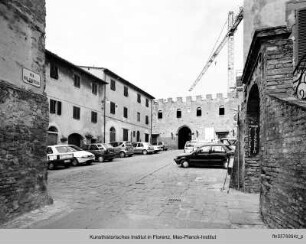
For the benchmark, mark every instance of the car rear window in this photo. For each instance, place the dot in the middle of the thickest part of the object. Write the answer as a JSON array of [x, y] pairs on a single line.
[[65, 149]]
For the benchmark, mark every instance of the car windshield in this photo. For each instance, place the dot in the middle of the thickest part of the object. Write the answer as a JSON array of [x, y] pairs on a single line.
[[75, 148], [65, 149]]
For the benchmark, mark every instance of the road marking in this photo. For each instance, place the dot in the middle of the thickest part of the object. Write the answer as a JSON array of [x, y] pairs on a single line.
[[138, 181]]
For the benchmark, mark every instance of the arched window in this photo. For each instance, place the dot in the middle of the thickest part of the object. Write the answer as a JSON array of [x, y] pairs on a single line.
[[199, 111], [178, 113], [112, 134]]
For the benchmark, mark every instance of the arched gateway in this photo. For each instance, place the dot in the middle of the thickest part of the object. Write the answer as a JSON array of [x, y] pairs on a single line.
[[184, 134]]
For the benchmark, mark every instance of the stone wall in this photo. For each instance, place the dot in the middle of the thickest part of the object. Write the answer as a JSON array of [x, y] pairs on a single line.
[[23, 168], [283, 170], [23, 108]]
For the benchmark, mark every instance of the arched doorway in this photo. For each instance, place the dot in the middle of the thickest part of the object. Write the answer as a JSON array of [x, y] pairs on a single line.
[[75, 139], [184, 134], [253, 113], [112, 134], [52, 135]]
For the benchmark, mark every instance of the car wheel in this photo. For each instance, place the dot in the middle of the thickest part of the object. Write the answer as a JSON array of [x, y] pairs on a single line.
[[75, 162], [122, 154], [144, 152], [51, 166], [184, 163], [101, 159]]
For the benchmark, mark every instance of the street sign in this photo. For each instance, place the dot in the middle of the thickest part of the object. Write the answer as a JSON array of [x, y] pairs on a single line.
[[30, 77]]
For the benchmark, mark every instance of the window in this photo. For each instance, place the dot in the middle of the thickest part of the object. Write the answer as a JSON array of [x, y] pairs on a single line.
[[160, 114], [112, 135], [126, 91], [94, 88], [138, 98], [138, 136], [178, 113], [217, 149], [55, 107], [94, 117], [125, 112], [199, 112], [53, 71], [147, 119], [134, 133], [147, 102], [76, 112], [77, 81], [125, 135], [205, 149], [112, 108], [146, 137], [138, 116], [301, 34], [221, 110], [113, 85]]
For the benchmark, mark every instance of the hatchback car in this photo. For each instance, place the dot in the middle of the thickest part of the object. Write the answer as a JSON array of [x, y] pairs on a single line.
[[193, 145], [123, 148], [207, 155], [102, 151], [58, 157], [79, 156], [143, 148]]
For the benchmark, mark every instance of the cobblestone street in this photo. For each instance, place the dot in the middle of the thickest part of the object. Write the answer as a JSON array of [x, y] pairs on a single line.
[[142, 192]]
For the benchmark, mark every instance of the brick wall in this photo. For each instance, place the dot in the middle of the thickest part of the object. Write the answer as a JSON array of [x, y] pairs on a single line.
[[23, 169], [283, 170]]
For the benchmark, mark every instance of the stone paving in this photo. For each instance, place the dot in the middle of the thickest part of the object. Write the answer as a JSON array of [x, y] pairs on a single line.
[[148, 192]]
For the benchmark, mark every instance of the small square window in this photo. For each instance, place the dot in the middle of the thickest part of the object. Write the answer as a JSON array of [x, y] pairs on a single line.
[[113, 85], [94, 117], [76, 112], [94, 88], [77, 81]]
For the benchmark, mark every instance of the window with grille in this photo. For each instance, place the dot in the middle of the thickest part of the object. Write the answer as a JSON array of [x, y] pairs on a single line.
[[112, 108], [77, 81], [94, 117], [94, 88], [76, 112], [55, 107]]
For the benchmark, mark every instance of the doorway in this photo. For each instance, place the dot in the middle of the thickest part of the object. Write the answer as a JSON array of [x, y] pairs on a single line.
[[75, 139], [184, 134]]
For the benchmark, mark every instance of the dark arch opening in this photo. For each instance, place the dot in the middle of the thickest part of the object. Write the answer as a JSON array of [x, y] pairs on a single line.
[[184, 134], [52, 137], [75, 139]]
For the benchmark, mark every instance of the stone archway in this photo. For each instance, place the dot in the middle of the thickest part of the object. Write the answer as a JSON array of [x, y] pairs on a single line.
[[184, 134], [252, 151], [75, 139]]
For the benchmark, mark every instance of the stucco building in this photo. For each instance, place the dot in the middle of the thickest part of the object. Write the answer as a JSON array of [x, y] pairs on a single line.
[[76, 103], [23, 108], [210, 118], [128, 109]]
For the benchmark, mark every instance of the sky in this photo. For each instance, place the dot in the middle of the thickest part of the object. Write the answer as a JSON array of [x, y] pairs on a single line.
[[160, 46]]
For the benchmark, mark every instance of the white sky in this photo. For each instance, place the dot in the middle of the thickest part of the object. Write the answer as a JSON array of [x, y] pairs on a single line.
[[159, 45]]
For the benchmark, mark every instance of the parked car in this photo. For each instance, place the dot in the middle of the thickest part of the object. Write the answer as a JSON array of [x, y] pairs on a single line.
[[123, 148], [102, 151], [208, 155], [231, 142], [58, 157], [162, 145], [79, 156], [193, 145], [143, 148], [157, 148]]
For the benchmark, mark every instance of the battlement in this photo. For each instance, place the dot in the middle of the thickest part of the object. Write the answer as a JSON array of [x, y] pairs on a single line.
[[198, 98]]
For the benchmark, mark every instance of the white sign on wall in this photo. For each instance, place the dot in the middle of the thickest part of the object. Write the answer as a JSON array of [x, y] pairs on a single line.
[[30, 77]]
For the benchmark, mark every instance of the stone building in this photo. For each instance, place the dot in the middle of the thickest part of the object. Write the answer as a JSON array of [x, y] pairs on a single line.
[[128, 113], [272, 120], [23, 108], [207, 119], [76, 102]]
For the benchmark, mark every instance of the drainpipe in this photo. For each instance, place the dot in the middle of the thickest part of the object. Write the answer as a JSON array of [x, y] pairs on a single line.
[[104, 102]]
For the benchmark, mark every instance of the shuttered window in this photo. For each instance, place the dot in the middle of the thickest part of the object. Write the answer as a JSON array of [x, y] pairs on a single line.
[[301, 27]]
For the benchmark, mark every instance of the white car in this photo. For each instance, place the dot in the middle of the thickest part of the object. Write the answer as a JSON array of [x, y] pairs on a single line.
[[143, 147], [79, 155], [58, 157], [157, 148]]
